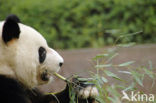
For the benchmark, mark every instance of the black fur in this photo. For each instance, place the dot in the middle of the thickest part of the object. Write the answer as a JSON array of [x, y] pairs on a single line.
[[13, 91], [42, 54], [44, 76], [14, 18], [11, 29]]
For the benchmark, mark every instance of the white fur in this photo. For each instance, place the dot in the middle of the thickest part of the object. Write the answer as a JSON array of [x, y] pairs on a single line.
[[89, 91], [19, 58]]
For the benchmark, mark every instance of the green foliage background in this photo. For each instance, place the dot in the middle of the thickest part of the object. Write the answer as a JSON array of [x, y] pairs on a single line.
[[86, 23]]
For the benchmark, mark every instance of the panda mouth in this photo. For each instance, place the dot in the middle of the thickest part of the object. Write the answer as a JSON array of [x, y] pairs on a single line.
[[45, 76]]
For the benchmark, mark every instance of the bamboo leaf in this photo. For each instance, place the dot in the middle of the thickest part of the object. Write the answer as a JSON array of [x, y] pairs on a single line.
[[126, 45], [149, 73], [137, 77], [150, 65], [100, 56], [103, 66], [131, 87], [126, 63], [125, 72], [110, 74], [113, 56], [104, 79]]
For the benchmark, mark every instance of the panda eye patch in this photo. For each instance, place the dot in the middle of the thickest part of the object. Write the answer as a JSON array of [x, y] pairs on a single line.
[[42, 54]]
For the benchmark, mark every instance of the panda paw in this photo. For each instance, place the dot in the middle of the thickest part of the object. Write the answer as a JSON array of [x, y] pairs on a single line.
[[88, 92], [84, 88]]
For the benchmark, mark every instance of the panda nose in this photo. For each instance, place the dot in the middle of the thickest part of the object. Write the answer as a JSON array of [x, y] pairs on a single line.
[[60, 64]]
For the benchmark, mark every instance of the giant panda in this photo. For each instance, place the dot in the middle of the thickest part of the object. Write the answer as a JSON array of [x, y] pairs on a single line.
[[26, 62]]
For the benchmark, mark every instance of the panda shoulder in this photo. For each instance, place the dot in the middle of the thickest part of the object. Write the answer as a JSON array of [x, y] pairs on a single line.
[[11, 91]]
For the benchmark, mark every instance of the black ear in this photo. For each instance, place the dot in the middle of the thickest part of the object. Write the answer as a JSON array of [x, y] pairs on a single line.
[[13, 17], [11, 28]]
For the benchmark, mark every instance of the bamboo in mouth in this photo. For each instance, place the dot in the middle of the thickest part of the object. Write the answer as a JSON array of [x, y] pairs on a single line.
[[60, 76]]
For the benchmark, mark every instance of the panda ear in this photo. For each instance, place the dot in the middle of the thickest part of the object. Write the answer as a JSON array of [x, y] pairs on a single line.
[[11, 28]]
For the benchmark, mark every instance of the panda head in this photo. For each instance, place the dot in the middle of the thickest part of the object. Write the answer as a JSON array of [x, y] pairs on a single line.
[[25, 55]]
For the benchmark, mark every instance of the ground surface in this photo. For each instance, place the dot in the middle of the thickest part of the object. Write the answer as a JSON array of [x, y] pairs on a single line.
[[80, 62]]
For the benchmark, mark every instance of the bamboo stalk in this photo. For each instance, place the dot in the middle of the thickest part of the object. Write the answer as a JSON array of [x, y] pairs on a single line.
[[60, 76]]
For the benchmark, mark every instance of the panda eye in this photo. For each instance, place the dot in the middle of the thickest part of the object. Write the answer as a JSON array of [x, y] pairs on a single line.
[[42, 54]]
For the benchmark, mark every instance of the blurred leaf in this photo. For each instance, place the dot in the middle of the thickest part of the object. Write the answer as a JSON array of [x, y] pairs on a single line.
[[126, 45], [100, 56], [103, 66], [114, 31], [112, 99], [131, 87], [126, 72], [110, 74], [111, 57], [138, 77], [85, 79], [150, 65], [149, 73], [126, 64], [104, 79]]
